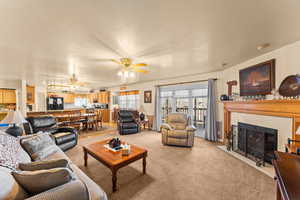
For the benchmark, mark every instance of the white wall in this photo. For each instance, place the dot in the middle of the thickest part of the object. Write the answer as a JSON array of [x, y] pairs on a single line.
[[287, 63]]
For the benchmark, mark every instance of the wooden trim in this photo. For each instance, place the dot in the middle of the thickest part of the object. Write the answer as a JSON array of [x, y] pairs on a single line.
[[278, 108], [132, 92]]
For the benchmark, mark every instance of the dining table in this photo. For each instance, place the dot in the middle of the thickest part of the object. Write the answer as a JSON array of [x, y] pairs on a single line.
[[70, 118]]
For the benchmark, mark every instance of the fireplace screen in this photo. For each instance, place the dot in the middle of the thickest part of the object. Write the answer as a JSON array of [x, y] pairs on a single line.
[[255, 142]]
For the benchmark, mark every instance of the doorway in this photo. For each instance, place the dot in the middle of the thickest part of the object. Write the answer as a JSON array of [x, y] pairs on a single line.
[[190, 99]]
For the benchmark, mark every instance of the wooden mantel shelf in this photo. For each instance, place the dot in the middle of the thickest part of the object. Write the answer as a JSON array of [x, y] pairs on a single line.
[[278, 108]]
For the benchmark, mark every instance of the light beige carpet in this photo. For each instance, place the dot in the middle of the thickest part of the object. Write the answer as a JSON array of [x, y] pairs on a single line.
[[201, 173]]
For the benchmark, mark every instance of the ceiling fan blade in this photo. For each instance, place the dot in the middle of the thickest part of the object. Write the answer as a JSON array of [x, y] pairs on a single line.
[[139, 65], [141, 70], [58, 85], [116, 61]]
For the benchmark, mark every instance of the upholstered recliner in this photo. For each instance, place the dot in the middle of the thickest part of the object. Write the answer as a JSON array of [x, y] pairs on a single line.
[[176, 130], [127, 124], [65, 137]]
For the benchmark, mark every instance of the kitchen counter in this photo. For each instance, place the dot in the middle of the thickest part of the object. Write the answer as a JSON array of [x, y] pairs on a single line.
[[105, 112]]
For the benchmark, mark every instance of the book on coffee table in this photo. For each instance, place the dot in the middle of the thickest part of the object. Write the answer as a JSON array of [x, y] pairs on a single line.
[[116, 149]]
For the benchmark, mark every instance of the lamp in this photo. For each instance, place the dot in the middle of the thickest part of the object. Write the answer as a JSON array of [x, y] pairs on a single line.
[[298, 131], [15, 118]]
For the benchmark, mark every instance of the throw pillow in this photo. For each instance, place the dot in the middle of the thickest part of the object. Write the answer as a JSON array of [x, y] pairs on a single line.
[[39, 146], [11, 152], [35, 182], [45, 164]]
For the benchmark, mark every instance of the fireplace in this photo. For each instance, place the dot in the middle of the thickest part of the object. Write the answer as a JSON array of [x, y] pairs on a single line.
[[256, 142]]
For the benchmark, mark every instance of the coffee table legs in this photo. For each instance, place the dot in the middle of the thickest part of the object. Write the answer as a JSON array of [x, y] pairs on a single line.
[[85, 155], [114, 180], [144, 165], [114, 175]]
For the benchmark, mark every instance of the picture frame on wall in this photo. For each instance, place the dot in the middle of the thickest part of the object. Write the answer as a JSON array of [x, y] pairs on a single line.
[[148, 96], [258, 79]]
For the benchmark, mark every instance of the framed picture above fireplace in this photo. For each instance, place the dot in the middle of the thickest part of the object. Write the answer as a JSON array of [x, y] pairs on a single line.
[[258, 79]]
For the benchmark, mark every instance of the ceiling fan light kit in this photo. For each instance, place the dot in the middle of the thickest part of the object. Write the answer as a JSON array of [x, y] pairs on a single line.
[[129, 71]]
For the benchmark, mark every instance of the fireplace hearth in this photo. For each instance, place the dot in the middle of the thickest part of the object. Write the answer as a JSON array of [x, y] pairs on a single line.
[[256, 142]]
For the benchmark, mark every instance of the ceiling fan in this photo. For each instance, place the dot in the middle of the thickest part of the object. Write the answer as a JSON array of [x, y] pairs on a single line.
[[73, 82], [128, 65]]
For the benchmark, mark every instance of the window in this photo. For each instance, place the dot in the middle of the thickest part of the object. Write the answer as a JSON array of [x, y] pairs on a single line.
[[80, 102], [200, 92], [166, 94], [181, 93], [129, 100]]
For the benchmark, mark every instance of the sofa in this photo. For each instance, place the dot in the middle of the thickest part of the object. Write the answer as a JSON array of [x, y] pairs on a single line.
[[127, 123], [65, 137], [81, 188], [176, 131]]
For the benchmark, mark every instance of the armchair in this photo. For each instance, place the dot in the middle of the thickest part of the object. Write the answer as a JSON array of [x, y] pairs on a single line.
[[65, 137], [176, 130], [127, 124]]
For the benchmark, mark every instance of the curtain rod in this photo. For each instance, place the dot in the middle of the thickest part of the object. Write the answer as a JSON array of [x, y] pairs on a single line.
[[180, 83]]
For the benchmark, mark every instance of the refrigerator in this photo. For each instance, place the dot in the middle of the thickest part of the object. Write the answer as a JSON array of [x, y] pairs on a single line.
[[55, 103]]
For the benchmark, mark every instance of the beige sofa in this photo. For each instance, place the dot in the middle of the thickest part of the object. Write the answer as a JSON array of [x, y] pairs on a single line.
[[176, 130], [83, 188]]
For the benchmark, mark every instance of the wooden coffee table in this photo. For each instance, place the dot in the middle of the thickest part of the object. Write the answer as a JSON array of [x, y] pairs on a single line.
[[114, 160]]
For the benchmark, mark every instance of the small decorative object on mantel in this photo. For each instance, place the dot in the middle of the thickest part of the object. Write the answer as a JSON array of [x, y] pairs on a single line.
[[258, 79], [224, 97], [230, 84], [290, 86]]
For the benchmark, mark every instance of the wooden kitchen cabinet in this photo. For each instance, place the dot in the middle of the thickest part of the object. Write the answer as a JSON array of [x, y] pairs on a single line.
[[69, 97], [30, 94], [105, 115], [9, 96], [103, 97], [1, 95], [93, 98]]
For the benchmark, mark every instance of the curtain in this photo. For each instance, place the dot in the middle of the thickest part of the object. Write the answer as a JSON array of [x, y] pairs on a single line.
[[211, 124], [157, 119]]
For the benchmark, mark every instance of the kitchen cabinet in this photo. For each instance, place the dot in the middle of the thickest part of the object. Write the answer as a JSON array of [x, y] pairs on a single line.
[[1, 96], [103, 97], [8, 96], [105, 115], [93, 98], [30, 94], [68, 97]]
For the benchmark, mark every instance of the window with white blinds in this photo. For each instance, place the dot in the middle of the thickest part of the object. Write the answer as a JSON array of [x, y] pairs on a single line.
[[200, 92], [166, 94], [181, 93], [129, 101]]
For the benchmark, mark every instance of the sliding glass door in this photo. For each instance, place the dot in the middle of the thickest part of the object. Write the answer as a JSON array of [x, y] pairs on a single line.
[[188, 99]]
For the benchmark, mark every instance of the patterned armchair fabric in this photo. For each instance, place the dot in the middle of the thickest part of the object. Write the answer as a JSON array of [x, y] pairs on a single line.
[[176, 130]]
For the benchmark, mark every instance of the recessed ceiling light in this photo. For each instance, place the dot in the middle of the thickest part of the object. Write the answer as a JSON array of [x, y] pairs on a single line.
[[263, 46]]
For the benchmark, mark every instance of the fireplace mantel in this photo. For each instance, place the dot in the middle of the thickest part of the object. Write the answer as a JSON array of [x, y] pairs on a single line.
[[278, 108]]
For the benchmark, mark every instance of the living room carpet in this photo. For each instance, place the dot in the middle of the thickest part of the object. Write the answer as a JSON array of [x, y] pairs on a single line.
[[176, 173]]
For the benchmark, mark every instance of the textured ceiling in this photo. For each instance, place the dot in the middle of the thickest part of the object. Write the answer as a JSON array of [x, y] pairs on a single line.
[[40, 39]]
